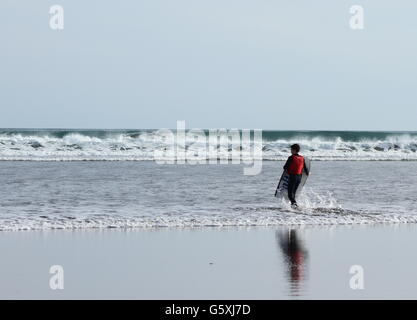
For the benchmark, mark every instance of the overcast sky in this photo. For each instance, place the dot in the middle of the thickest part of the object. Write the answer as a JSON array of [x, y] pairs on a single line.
[[266, 64]]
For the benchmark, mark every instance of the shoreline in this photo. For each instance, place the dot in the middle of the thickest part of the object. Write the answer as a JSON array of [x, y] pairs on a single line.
[[210, 227], [183, 164]]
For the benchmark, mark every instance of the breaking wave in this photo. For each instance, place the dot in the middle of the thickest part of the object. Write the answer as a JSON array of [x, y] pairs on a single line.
[[139, 145]]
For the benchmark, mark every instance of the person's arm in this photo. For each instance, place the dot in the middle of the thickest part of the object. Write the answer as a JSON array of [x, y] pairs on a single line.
[[305, 168], [287, 164]]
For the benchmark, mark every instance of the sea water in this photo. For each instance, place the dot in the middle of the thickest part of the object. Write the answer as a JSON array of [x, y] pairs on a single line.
[[140, 145], [41, 195]]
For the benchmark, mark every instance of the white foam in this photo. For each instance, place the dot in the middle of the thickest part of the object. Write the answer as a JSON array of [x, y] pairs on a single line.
[[124, 147], [315, 209], [260, 217]]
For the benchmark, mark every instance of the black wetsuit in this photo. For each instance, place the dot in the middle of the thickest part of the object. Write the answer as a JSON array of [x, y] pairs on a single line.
[[294, 181]]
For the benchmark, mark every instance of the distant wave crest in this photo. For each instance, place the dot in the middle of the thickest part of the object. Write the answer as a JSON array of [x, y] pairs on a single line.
[[140, 145]]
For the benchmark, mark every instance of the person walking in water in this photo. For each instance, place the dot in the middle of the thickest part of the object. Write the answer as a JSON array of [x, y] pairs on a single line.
[[294, 167]]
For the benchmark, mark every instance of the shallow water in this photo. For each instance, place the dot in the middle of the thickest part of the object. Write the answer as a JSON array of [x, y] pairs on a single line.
[[54, 195]]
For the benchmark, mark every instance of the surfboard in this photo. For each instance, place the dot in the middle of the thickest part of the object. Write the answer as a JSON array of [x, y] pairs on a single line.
[[282, 188]]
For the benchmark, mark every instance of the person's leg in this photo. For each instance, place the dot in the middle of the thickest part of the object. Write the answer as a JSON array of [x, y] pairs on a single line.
[[296, 183], [291, 190]]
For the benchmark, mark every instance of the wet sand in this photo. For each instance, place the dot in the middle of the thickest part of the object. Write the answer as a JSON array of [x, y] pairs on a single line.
[[212, 263]]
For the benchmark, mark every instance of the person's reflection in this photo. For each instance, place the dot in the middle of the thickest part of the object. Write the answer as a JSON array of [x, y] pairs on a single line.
[[295, 258]]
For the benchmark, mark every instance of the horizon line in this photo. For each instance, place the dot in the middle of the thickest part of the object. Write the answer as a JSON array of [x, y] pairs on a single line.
[[277, 130]]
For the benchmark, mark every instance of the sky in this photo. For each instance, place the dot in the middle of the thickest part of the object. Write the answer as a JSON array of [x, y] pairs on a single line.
[[255, 64]]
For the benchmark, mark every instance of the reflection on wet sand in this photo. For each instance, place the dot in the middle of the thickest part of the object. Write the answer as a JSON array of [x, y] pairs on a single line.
[[295, 259]]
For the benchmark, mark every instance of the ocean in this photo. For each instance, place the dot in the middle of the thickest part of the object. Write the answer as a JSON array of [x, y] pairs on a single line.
[[139, 145], [46, 186]]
